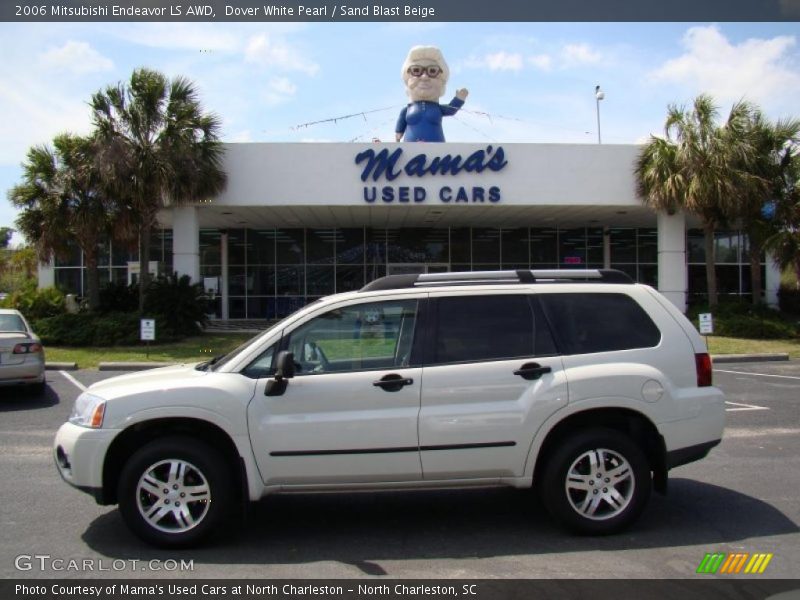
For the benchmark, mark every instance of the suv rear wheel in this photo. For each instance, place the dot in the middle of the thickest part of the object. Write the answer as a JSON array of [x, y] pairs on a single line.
[[174, 491], [596, 482]]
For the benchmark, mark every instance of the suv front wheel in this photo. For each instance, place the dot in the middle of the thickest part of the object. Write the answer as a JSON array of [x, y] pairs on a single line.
[[174, 491], [596, 482]]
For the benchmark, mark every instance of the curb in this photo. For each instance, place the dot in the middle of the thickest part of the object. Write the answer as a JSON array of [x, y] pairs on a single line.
[[132, 366], [722, 359], [60, 366]]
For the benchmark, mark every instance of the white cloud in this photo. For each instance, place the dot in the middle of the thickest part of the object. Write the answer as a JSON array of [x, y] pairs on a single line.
[[543, 62], [75, 57], [269, 52], [580, 54], [497, 61], [279, 90], [755, 69], [181, 36]]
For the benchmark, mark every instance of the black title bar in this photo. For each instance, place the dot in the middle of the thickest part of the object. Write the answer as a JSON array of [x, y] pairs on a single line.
[[387, 10]]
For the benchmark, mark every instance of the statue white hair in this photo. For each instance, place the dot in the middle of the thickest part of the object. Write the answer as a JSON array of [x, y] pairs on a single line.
[[428, 53]]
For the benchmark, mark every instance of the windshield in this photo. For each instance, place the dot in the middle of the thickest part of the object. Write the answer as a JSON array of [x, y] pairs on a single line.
[[12, 323], [217, 362]]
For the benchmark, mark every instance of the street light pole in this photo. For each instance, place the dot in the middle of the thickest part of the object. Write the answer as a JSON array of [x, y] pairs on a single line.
[[599, 95]]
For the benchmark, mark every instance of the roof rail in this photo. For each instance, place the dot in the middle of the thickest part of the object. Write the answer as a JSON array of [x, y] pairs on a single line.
[[394, 282]]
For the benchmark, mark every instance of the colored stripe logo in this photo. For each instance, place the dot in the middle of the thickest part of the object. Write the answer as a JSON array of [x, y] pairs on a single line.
[[734, 564]]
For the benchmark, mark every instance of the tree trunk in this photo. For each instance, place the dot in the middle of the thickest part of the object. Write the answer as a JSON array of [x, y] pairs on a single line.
[[144, 261], [92, 279], [755, 268], [711, 260]]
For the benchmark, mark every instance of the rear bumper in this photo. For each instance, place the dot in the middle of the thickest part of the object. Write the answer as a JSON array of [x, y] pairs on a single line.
[[30, 371], [684, 456]]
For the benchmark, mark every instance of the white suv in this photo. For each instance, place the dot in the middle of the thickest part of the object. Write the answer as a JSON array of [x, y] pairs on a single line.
[[581, 382]]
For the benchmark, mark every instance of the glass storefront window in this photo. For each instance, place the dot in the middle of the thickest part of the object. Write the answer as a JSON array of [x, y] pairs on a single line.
[[320, 246], [544, 247], [289, 281], [461, 245], [290, 246], [515, 248], [727, 247], [485, 246], [594, 247], [261, 247], [623, 246], [320, 280], [350, 246], [417, 245], [69, 280], [572, 247], [237, 246], [349, 278], [210, 247], [647, 241]]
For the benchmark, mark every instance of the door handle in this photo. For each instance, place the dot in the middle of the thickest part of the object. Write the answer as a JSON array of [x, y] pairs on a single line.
[[393, 382], [531, 371]]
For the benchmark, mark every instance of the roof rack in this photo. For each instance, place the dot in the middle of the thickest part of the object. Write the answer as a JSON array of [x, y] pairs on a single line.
[[394, 282]]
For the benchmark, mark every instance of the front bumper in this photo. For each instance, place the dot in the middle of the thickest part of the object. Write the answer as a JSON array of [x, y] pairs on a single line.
[[79, 453]]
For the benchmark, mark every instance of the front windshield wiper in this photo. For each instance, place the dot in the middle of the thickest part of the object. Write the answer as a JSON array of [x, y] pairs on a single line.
[[204, 366]]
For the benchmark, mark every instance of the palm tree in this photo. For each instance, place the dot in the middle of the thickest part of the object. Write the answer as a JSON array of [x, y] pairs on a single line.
[[62, 204], [158, 149], [784, 243], [694, 168], [774, 149]]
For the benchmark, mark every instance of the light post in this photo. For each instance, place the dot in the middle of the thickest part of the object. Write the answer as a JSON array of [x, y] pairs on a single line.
[[599, 95]]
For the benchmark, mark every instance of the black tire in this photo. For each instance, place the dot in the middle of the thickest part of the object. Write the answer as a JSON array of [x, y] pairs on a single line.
[[573, 507], [196, 519]]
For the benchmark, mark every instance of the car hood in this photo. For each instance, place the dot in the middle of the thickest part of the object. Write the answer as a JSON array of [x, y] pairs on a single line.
[[147, 381]]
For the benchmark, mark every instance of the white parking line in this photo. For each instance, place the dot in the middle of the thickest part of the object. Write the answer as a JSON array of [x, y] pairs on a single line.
[[757, 374], [77, 383], [744, 406]]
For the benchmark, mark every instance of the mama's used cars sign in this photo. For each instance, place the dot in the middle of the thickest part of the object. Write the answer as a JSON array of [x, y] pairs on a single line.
[[388, 166]]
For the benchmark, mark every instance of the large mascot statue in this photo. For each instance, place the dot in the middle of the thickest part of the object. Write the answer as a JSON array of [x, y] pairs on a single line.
[[425, 74]]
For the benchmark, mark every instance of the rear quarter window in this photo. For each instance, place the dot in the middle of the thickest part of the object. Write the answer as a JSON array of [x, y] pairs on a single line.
[[596, 322]]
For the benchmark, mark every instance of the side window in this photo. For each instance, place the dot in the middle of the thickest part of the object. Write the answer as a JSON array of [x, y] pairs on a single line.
[[478, 328], [586, 323], [262, 366], [375, 335]]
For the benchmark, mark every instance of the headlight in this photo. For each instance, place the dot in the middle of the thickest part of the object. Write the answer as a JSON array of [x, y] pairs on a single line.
[[88, 411]]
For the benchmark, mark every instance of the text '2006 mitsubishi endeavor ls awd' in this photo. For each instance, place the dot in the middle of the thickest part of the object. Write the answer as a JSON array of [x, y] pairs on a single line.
[[580, 382]]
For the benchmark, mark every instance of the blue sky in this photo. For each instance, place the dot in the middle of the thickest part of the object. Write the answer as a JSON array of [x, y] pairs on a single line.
[[535, 80]]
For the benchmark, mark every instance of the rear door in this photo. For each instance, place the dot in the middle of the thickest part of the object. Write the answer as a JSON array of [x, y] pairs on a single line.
[[491, 377]]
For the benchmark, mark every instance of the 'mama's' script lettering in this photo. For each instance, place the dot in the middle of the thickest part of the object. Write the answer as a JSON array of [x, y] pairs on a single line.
[[389, 165]]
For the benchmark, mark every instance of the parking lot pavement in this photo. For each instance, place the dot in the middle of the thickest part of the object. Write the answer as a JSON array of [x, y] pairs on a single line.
[[742, 498]]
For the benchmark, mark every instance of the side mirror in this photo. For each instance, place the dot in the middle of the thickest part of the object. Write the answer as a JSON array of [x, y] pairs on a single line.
[[284, 367], [284, 370]]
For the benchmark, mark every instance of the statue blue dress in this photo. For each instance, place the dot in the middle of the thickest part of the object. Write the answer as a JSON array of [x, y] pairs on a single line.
[[422, 121]]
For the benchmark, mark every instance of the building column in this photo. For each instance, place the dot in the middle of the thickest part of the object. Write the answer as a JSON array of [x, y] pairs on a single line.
[[223, 285], [47, 274], [672, 269], [186, 242], [773, 282]]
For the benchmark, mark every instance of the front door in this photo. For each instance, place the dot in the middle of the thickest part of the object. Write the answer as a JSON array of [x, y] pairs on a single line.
[[350, 413]]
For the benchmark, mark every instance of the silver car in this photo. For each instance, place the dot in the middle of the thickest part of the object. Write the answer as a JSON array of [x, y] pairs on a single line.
[[21, 352]]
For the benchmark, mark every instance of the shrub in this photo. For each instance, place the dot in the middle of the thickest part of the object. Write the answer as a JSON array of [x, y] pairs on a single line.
[[789, 300], [117, 297], [178, 306], [36, 303], [743, 320], [88, 329]]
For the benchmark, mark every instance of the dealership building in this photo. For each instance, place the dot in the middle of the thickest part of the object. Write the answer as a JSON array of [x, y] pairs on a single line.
[[300, 221]]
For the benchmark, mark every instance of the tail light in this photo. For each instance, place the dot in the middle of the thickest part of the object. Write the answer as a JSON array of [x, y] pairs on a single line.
[[704, 370], [28, 348]]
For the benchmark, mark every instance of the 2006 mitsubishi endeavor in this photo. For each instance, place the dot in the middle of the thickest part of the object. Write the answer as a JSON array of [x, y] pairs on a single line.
[[579, 382]]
